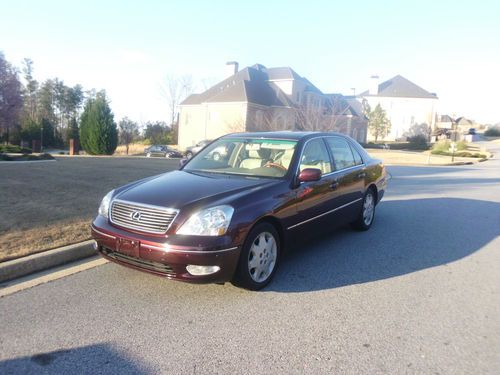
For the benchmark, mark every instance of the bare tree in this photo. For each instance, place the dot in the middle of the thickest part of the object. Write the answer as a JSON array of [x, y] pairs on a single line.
[[11, 101], [175, 89], [324, 114]]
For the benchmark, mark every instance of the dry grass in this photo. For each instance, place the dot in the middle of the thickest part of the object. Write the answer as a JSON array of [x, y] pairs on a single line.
[[46, 205], [133, 149]]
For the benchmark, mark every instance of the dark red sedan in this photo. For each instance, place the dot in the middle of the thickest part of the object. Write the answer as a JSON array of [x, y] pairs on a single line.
[[230, 218]]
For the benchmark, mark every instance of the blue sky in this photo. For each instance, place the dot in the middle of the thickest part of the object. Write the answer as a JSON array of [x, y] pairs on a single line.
[[451, 48]]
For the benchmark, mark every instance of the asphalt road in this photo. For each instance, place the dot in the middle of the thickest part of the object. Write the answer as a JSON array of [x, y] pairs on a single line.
[[418, 293]]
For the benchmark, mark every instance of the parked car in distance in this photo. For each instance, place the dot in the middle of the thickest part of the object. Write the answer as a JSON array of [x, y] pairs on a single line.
[[472, 131], [193, 150], [232, 219], [163, 151]]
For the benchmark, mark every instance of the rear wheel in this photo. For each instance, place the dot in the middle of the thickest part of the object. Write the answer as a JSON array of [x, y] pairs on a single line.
[[189, 154], [259, 257], [367, 214]]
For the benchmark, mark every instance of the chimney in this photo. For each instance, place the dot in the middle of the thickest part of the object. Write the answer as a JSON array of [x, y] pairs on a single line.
[[231, 68], [373, 85]]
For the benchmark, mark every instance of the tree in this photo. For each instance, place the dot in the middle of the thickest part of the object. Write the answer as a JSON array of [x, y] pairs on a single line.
[[98, 133], [11, 101], [175, 89], [378, 123], [158, 132], [129, 130], [73, 130]]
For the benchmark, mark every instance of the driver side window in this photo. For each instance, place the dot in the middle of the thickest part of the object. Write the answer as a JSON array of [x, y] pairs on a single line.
[[315, 155]]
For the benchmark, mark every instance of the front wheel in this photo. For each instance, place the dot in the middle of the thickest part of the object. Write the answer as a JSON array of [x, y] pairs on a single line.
[[367, 214], [259, 258], [189, 154], [148, 155]]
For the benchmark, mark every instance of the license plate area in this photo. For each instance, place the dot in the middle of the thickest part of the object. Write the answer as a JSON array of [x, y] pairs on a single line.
[[128, 247]]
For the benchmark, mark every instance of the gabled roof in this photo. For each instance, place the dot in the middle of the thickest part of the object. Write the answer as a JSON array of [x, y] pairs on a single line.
[[464, 121], [444, 118], [253, 84], [401, 87]]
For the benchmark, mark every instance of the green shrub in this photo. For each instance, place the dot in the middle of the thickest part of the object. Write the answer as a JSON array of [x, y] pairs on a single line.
[[441, 146], [492, 132], [418, 142], [4, 157], [461, 145], [14, 149], [45, 157]]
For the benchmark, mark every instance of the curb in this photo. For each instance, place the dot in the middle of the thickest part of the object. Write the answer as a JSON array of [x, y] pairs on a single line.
[[13, 269]]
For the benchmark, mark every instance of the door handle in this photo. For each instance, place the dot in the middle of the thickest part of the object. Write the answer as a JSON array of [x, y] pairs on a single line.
[[362, 175], [334, 185]]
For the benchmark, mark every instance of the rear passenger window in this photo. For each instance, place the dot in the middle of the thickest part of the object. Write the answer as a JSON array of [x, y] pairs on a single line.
[[357, 157], [342, 154]]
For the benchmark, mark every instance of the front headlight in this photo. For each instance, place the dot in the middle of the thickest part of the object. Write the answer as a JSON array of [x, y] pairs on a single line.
[[212, 221], [104, 207]]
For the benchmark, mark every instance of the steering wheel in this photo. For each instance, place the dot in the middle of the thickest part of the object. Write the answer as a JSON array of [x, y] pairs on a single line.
[[275, 165]]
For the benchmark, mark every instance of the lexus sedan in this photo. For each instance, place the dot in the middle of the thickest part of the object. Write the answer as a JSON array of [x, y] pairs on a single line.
[[231, 219], [163, 151]]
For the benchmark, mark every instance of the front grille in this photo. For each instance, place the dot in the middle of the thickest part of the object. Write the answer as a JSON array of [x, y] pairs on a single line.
[[150, 219], [138, 262]]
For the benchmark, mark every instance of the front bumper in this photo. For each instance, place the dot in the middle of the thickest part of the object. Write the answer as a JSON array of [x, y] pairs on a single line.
[[167, 256]]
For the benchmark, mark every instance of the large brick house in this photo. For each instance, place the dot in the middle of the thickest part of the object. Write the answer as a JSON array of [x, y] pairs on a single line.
[[257, 98]]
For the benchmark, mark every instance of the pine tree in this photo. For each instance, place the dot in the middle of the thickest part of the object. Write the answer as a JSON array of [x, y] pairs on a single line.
[[98, 133]]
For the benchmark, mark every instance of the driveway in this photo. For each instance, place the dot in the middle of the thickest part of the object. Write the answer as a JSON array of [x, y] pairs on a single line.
[[418, 293]]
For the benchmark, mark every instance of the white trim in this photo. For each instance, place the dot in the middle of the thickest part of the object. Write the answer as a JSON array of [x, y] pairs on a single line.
[[325, 213]]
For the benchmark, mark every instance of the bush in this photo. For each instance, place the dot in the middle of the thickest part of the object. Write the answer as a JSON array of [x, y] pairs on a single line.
[[492, 132], [461, 145], [441, 146], [14, 149], [418, 142], [45, 157], [4, 157]]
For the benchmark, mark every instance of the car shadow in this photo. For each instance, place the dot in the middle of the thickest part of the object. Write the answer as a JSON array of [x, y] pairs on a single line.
[[407, 236], [92, 359]]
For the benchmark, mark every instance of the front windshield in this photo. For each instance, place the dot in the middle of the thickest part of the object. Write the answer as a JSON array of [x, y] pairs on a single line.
[[256, 157]]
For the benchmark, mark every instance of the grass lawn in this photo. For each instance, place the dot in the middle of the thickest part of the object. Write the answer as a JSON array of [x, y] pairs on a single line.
[[46, 205]]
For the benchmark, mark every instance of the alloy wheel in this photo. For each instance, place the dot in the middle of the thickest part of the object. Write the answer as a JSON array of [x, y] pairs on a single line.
[[262, 257]]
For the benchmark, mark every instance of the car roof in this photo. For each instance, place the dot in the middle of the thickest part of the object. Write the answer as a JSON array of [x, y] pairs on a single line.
[[292, 135]]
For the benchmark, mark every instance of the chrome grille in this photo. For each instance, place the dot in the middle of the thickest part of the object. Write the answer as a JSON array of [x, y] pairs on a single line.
[[145, 218]]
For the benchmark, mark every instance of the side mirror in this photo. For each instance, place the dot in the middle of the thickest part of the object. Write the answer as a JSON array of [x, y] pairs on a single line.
[[182, 162], [310, 174]]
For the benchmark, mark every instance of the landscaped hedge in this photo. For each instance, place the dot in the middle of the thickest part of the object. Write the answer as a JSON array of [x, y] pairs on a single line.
[[462, 154], [14, 149]]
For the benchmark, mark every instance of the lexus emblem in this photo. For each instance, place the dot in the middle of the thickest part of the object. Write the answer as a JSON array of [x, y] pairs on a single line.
[[136, 215]]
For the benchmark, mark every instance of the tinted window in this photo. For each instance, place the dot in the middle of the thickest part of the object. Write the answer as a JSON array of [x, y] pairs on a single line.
[[357, 157], [315, 155], [341, 151]]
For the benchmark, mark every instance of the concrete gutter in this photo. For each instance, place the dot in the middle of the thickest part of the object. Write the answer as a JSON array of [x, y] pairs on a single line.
[[16, 268]]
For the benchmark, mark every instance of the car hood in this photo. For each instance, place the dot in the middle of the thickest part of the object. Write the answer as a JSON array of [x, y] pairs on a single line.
[[179, 189]]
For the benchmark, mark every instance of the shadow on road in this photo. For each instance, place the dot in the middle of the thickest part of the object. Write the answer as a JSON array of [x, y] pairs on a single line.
[[407, 236], [92, 359]]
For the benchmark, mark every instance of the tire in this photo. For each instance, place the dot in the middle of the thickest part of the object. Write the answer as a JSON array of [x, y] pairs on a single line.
[[216, 156], [257, 264], [189, 154], [367, 213], [148, 155]]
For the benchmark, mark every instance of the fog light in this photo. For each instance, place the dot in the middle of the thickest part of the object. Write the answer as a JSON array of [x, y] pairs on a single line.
[[201, 270], [95, 245]]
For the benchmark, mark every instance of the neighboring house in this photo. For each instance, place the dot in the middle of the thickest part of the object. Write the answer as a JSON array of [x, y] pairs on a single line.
[[463, 124], [405, 103], [444, 122], [259, 99]]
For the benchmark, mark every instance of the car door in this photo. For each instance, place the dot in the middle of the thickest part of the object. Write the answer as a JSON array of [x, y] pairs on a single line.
[[316, 199], [348, 175]]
